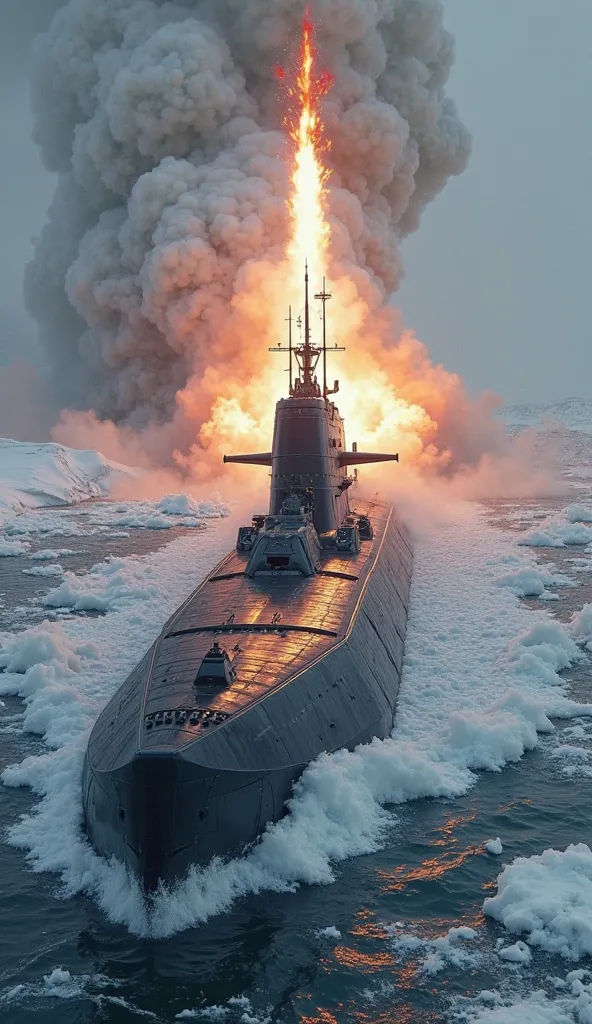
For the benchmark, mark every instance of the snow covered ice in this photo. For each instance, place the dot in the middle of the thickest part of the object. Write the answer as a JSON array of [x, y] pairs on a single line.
[[12, 548], [533, 581], [571, 526], [34, 475], [519, 953], [548, 898], [581, 626]]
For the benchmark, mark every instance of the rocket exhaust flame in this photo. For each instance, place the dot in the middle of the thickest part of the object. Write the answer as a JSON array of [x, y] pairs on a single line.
[[178, 234], [307, 202], [386, 415]]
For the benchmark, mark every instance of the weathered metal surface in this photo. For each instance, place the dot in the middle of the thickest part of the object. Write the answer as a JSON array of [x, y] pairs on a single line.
[[294, 695]]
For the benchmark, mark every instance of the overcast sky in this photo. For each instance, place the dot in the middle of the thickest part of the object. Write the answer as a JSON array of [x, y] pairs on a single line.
[[499, 275], [26, 188]]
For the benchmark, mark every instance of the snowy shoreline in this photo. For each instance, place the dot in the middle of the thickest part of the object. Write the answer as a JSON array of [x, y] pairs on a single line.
[[42, 475]]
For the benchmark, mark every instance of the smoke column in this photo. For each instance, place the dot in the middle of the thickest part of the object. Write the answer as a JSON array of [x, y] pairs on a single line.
[[160, 278]]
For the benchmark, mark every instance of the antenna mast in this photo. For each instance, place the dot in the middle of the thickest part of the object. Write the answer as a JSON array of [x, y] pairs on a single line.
[[324, 296], [290, 345], [308, 355]]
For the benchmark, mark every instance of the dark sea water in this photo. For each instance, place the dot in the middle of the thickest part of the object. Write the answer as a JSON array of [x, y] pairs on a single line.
[[267, 959], [435, 877]]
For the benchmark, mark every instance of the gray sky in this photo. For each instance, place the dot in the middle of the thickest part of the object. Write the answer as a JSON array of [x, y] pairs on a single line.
[[26, 188], [498, 277]]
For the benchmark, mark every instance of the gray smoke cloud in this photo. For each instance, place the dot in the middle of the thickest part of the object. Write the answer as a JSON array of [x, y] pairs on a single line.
[[164, 125]]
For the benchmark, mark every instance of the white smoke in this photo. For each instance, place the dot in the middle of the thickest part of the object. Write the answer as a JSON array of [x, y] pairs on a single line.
[[159, 262]]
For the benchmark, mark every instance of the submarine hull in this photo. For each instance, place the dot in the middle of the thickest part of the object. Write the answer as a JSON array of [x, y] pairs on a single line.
[[179, 770]]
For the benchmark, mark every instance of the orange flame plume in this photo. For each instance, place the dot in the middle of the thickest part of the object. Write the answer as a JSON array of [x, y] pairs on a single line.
[[369, 399], [387, 382], [310, 229]]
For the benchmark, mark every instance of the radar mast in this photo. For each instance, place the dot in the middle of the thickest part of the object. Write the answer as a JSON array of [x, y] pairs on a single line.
[[306, 354]]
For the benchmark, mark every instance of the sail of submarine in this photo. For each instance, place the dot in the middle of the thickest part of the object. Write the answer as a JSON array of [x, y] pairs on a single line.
[[293, 645]]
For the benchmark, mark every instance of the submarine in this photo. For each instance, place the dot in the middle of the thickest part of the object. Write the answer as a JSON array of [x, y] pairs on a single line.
[[293, 645]]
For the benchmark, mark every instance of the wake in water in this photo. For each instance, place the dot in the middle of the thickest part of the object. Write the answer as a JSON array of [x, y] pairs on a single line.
[[480, 682]]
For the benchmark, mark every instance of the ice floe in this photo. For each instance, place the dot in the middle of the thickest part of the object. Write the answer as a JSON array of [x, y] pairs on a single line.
[[52, 554], [548, 898], [518, 953], [45, 570], [581, 626], [533, 580], [116, 583], [571, 526], [12, 548], [170, 511], [112, 520]]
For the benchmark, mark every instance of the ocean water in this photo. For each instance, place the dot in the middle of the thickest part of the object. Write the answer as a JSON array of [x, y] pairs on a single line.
[[372, 945]]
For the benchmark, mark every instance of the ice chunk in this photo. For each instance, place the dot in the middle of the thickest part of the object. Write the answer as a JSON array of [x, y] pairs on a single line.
[[579, 514], [519, 953], [548, 897], [12, 548], [562, 529], [44, 570], [185, 505], [117, 583], [532, 581], [51, 555], [581, 626]]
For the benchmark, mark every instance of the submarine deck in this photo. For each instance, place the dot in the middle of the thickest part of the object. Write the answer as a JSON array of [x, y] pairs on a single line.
[[273, 627]]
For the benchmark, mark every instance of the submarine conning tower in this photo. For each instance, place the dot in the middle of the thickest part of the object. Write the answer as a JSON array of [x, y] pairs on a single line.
[[307, 443], [310, 479]]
